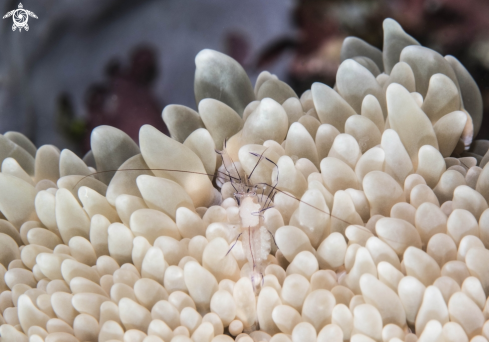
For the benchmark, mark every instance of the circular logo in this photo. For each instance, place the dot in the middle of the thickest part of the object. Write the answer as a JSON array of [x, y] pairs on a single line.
[[20, 17]]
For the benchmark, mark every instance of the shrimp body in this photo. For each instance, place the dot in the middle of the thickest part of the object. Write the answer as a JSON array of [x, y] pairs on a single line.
[[255, 238]]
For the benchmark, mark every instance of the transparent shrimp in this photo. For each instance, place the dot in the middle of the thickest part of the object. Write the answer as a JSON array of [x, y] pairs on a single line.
[[256, 239]]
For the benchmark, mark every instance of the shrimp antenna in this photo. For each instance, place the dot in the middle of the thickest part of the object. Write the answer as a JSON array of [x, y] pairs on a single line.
[[312, 206], [235, 168], [308, 204], [270, 194], [228, 173], [260, 158], [225, 167], [337, 218], [268, 159], [140, 169]]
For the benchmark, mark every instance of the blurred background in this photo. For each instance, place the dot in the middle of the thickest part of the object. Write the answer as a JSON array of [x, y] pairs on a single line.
[[84, 63]]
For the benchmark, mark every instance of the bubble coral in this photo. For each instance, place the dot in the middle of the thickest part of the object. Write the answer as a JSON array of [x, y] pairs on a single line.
[[389, 243]]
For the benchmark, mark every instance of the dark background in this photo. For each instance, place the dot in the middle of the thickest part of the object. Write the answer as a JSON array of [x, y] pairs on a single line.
[[119, 62]]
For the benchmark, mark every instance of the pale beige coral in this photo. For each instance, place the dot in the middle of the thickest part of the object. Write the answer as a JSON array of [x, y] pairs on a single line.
[[391, 232]]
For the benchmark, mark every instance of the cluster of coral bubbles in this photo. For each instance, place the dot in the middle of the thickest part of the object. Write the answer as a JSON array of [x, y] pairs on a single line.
[[388, 243]]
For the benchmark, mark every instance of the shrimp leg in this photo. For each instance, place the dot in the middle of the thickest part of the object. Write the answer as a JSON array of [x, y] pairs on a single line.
[[234, 244]]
